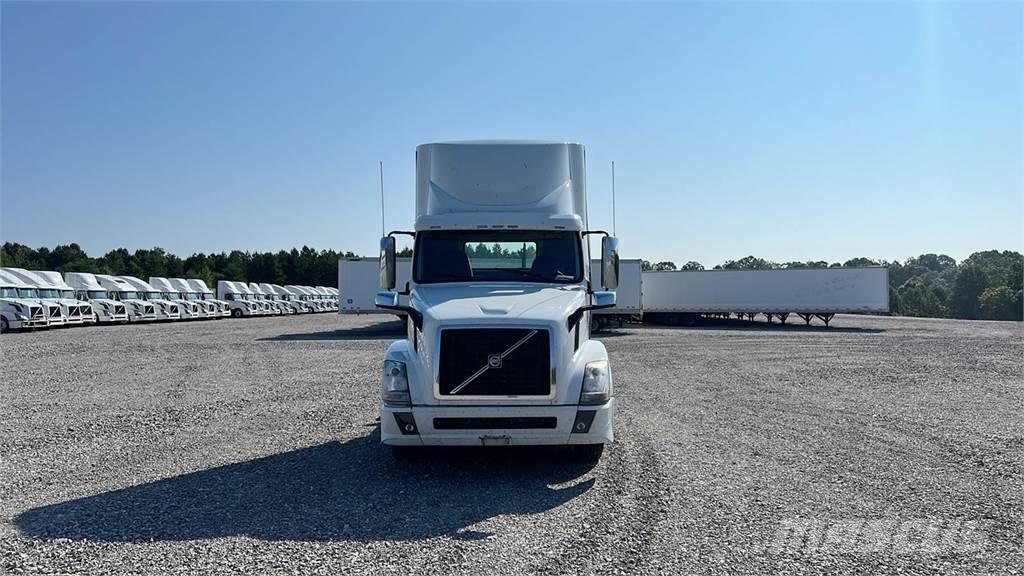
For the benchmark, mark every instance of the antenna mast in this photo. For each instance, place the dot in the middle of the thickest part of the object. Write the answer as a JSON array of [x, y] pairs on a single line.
[[382, 229], [613, 197]]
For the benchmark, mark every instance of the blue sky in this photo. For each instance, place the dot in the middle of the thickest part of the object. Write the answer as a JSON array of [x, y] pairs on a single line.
[[789, 131]]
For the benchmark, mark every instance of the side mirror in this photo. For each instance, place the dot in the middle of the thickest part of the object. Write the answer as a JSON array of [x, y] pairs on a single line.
[[603, 299], [387, 262], [610, 262], [386, 299]]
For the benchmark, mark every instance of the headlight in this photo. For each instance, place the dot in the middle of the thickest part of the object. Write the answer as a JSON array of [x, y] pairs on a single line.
[[597, 383], [395, 383]]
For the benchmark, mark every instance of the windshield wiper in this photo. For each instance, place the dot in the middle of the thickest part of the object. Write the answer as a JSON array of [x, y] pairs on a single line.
[[559, 276]]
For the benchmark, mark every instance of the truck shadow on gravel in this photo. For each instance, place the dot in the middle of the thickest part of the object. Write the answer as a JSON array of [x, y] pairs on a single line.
[[333, 491], [387, 330]]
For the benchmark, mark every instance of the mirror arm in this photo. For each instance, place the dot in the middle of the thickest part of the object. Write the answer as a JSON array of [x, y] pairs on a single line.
[[414, 314], [402, 232], [589, 232], [575, 317]]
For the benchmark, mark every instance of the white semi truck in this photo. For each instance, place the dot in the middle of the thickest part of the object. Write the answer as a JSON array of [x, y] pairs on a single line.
[[87, 289], [271, 304], [190, 294], [239, 298], [498, 348], [165, 309], [54, 311], [86, 307], [282, 295], [139, 310], [207, 295], [73, 311], [187, 310], [19, 307]]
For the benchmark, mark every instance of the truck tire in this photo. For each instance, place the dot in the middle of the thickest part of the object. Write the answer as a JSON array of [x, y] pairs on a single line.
[[589, 453], [236, 313], [404, 453], [4, 325]]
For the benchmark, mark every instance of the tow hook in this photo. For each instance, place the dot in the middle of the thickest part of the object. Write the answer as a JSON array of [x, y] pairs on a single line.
[[495, 440]]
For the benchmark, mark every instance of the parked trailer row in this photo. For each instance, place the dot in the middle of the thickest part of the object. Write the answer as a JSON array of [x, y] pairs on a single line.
[[681, 297], [42, 299]]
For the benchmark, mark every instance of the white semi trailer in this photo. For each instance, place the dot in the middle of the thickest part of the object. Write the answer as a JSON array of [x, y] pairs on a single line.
[[498, 348], [682, 296], [73, 311], [165, 309], [628, 305], [207, 295], [87, 289], [359, 280], [19, 308]]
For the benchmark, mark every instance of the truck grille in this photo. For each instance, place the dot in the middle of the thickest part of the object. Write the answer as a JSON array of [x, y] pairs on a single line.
[[118, 309], [54, 311], [495, 362], [36, 311]]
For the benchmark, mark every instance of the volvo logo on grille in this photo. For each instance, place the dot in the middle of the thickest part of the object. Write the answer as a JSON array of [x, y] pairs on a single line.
[[494, 361]]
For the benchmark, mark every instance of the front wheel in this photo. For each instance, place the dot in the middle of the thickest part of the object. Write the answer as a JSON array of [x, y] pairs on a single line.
[[590, 453], [236, 313], [4, 325]]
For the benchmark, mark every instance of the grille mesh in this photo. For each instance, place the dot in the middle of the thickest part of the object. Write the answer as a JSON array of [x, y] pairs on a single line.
[[517, 361]]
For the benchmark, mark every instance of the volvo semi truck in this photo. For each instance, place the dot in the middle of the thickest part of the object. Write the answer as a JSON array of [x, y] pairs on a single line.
[[86, 308], [87, 289], [238, 298], [282, 295], [168, 292], [18, 311], [498, 348], [207, 295], [139, 310], [190, 294], [164, 309], [54, 311], [73, 311]]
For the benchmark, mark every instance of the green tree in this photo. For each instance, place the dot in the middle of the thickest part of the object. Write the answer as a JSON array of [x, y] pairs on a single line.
[[998, 303], [692, 265], [967, 288]]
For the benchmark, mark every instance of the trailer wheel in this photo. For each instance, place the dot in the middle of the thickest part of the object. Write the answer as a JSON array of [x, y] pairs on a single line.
[[404, 453], [590, 453], [236, 313], [4, 325]]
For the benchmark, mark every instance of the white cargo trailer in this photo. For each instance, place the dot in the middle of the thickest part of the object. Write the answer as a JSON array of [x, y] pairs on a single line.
[[359, 282], [627, 294], [681, 296]]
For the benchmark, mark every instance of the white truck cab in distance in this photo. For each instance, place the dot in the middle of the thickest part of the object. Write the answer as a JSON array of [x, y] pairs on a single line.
[[19, 308], [164, 309], [238, 298], [87, 289], [498, 348], [73, 311], [193, 296], [186, 309], [53, 309], [139, 310], [207, 295]]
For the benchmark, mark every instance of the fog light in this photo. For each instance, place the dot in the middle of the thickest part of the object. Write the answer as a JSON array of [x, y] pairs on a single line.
[[406, 423], [584, 418]]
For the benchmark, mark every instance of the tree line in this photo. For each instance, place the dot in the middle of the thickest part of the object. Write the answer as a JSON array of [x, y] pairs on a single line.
[[302, 266], [986, 285]]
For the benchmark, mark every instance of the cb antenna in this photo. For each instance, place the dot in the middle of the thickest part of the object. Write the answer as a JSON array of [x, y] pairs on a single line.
[[382, 229], [613, 197]]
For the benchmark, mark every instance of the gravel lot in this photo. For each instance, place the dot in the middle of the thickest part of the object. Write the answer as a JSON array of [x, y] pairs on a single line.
[[250, 446]]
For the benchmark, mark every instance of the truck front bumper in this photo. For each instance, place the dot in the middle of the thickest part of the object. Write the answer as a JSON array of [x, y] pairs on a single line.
[[468, 426]]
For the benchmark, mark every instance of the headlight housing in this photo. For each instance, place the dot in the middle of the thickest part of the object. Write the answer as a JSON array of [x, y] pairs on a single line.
[[395, 383], [597, 383]]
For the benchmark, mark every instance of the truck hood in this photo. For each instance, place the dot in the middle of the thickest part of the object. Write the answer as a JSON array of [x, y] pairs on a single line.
[[497, 302], [26, 302]]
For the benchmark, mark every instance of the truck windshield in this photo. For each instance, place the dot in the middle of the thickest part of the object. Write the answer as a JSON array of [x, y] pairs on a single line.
[[67, 293], [8, 293], [153, 296], [498, 256], [191, 296], [94, 294], [170, 295], [28, 292], [207, 295], [49, 293]]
